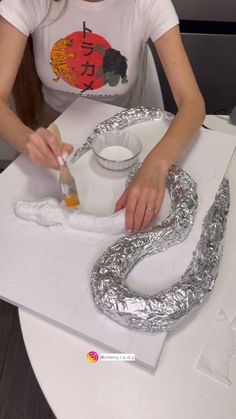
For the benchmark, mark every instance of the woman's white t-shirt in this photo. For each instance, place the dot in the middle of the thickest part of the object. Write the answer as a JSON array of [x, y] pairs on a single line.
[[89, 49]]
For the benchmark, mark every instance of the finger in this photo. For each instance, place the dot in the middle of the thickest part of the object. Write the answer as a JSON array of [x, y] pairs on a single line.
[[150, 210], [122, 201], [66, 150], [139, 212], [153, 211], [36, 157], [52, 141], [150, 213], [44, 150], [130, 210]]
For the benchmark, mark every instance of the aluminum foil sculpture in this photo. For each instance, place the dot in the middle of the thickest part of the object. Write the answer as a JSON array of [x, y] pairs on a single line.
[[159, 312]]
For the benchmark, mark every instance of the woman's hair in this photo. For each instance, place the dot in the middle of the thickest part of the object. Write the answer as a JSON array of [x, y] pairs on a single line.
[[26, 91]]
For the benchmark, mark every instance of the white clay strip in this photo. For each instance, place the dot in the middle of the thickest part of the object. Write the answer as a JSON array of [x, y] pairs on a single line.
[[49, 212]]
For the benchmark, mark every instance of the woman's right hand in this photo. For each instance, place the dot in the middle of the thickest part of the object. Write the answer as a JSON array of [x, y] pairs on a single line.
[[43, 148]]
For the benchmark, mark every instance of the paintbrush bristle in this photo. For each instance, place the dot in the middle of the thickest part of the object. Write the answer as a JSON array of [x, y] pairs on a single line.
[[68, 187], [67, 181], [72, 201]]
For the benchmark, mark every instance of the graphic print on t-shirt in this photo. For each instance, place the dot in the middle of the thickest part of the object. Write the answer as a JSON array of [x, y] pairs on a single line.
[[87, 61]]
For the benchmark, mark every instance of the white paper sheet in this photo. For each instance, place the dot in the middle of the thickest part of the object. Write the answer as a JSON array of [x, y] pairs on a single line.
[[218, 350], [47, 270]]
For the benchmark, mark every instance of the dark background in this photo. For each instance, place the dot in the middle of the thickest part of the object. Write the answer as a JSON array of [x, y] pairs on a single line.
[[208, 30]]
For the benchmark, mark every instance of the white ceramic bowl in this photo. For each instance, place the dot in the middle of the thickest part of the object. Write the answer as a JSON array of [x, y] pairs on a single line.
[[117, 150]]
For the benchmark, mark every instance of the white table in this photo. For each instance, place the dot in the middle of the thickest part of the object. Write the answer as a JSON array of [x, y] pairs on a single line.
[[76, 389]]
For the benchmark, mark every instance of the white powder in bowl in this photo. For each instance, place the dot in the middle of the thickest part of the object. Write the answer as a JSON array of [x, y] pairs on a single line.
[[116, 152]]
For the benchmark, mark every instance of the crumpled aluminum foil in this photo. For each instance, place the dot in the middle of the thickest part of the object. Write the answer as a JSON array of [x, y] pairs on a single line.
[[159, 312], [110, 292], [122, 120]]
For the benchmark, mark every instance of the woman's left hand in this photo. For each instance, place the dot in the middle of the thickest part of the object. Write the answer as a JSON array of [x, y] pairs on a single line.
[[144, 195]]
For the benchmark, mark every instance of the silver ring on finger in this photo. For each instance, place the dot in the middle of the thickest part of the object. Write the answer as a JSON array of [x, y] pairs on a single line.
[[153, 209]]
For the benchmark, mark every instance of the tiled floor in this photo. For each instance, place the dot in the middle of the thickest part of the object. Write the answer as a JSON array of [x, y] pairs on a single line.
[[20, 394]]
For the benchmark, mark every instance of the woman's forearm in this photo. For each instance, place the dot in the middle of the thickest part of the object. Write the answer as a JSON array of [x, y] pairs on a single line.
[[12, 130], [179, 135]]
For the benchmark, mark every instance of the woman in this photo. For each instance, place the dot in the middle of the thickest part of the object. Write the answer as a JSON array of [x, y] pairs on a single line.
[[91, 48]]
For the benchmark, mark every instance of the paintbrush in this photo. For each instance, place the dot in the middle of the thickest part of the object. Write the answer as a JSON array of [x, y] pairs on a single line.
[[66, 179]]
